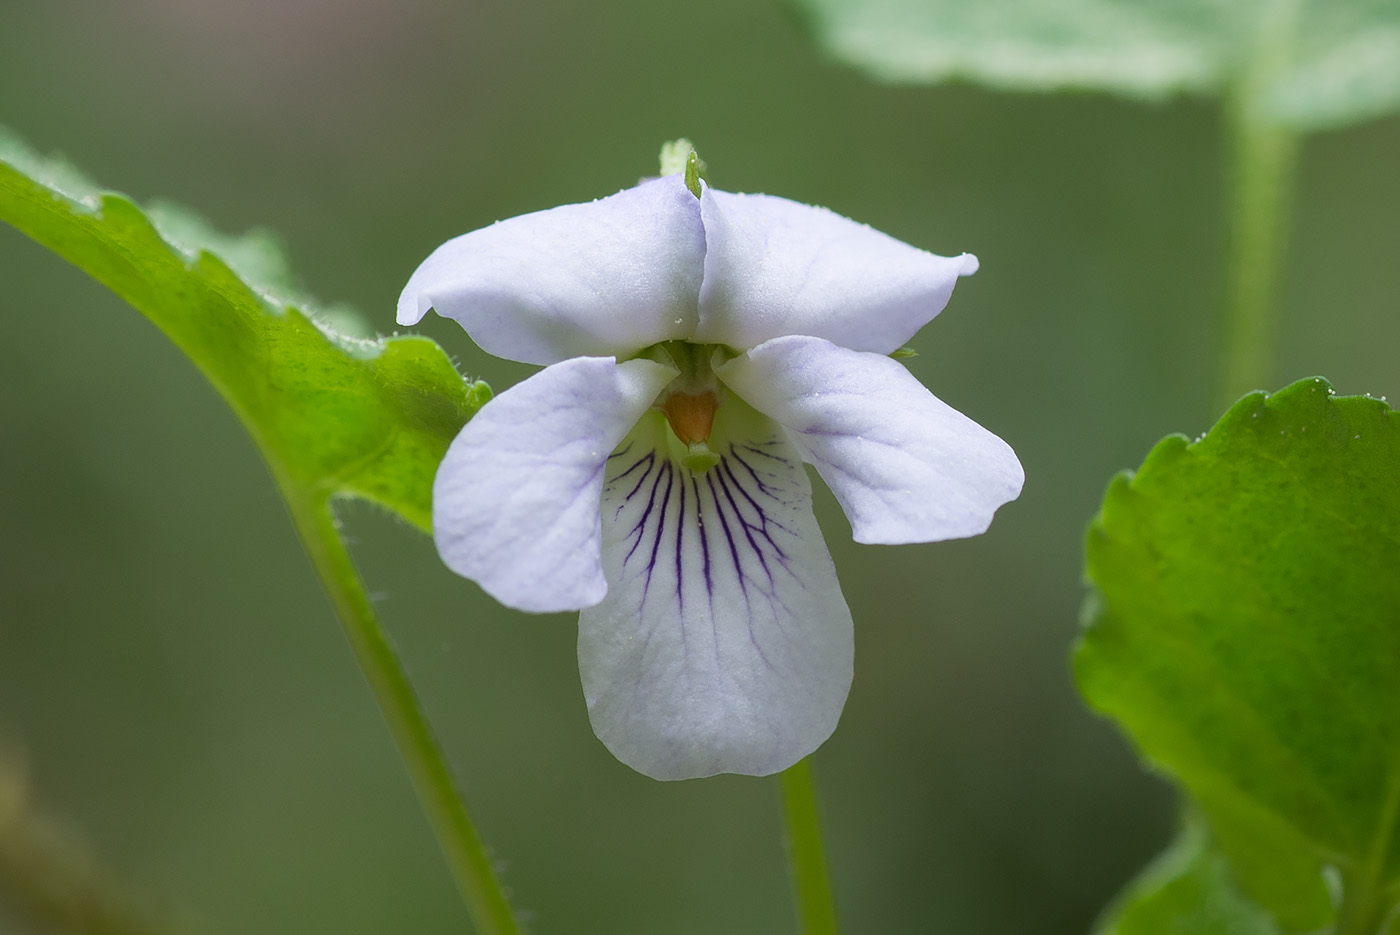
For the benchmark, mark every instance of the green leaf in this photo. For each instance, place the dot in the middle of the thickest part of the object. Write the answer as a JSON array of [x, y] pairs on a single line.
[[1245, 632], [334, 413], [1188, 890], [1324, 62]]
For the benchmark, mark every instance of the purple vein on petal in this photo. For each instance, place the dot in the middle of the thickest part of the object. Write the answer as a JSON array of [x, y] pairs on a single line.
[[747, 528], [704, 541], [729, 537], [660, 527], [650, 461], [763, 518], [680, 545], [639, 530]]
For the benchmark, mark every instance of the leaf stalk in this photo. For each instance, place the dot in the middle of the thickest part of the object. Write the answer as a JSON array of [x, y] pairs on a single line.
[[432, 779], [1262, 170]]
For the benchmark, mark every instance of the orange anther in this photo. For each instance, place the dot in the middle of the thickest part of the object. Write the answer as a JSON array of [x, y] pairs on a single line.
[[691, 417]]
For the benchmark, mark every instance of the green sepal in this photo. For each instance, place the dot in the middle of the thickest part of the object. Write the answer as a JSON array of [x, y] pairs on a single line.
[[692, 173], [679, 156]]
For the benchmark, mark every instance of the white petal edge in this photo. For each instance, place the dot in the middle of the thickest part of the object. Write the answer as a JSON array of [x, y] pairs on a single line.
[[905, 466], [775, 267], [603, 278], [724, 644], [515, 501]]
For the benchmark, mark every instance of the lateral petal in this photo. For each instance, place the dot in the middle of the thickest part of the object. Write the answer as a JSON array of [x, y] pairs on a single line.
[[905, 466], [775, 267], [515, 502], [604, 278], [724, 644]]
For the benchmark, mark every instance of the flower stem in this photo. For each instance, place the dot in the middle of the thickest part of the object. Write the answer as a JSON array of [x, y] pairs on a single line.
[[1263, 159], [811, 883], [1363, 911], [465, 853], [1368, 904]]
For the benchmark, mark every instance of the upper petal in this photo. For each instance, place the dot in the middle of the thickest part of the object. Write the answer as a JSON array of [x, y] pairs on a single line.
[[775, 267], [515, 502], [599, 279], [724, 644], [905, 466]]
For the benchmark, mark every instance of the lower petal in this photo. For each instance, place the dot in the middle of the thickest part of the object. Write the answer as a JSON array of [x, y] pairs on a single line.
[[515, 501], [724, 644], [905, 466]]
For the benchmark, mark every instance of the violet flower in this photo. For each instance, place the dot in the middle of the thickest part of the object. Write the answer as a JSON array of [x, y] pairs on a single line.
[[698, 347]]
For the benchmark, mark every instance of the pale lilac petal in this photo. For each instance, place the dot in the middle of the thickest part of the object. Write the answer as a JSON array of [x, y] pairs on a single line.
[[775, 267], [515, 502], [905, 466], [605, 278], [724, 644]]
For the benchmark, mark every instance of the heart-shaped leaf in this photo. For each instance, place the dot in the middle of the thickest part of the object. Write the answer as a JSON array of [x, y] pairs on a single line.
[[1245, 632], [1320, 62], [333, 413]]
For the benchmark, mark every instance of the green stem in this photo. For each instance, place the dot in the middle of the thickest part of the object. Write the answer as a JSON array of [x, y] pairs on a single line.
[[466, 855], [1367, 902], [1364, 907], [1263, 160], [811, 884]]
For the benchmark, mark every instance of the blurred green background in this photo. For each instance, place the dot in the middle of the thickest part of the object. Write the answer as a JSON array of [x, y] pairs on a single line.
[[177, 682]]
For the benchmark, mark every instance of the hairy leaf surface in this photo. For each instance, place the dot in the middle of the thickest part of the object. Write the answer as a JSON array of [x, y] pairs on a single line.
[[1245, 632], [1323, 62], [332, 412]]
